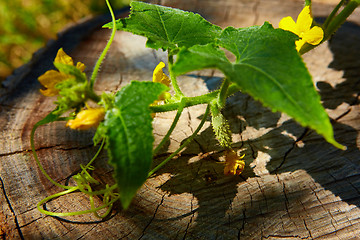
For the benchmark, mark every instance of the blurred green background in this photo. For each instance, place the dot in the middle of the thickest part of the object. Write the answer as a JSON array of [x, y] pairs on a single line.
[[26, 25]]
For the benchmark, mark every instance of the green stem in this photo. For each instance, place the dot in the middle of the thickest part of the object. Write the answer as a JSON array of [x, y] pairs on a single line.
[[307, 2], [100, 192], [189, 101], [340, 19], [65, 214], [332, 14], [107, 47], [189, 140], [93, 208], [214, 108], [233, 88], [172, 127], [93, 96], [223, 93], [49, 118], [192, 101], [178, 92], [96, 154]]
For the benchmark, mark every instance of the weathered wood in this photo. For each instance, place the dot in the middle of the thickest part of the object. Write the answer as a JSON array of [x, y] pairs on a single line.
[[295, 185]]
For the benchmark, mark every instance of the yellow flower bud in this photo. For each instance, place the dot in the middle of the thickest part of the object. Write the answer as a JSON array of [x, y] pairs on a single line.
[[87, 119]]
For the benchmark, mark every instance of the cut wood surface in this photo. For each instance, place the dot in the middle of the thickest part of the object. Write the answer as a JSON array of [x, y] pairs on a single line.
[[295, 185]]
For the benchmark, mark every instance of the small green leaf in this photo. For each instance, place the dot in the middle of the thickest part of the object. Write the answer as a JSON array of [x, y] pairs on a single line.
[[128, 130], [71, 70], [167, 28], [268, 68], [73, 92]]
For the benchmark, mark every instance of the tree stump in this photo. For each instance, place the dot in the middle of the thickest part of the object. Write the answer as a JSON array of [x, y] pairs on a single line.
[[295, 185]]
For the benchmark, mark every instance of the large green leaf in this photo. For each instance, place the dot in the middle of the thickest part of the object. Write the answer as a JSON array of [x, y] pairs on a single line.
[[167, 28], [268, 68], [128, 130]]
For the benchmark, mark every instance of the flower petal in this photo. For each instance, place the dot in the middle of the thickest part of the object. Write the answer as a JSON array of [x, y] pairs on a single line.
[[159, 76], [62, 57], [288, 24], [87, 119], [314, 36], [304, 20], [299, 44], [49, 92], [49, 80], [234, 164]]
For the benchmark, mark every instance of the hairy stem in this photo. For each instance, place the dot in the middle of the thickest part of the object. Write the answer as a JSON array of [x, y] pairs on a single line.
[[223, 93], [106, 49]]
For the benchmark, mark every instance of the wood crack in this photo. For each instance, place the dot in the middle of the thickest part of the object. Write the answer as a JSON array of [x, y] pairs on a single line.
[[17, 226], [325, 236], [191, 219], [271, 236], [22, 108], [152, 218], [305, 132], [243, 223], [58, 146], [27, 224], [86, 233], [307, 229]]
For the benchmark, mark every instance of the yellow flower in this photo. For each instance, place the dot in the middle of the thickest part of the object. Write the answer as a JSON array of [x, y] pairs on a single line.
[[52, 77], [87, 119], [160, 77], [303, 29], [234, 164]]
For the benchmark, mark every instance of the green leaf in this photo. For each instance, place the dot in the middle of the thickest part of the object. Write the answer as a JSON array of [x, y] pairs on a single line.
[[128, 130], [167, 28], [268, 68]]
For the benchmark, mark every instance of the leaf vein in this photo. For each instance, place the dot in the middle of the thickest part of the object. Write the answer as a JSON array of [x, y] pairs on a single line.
[[277, 84], [179, 29], [163, 23], [127, 135]]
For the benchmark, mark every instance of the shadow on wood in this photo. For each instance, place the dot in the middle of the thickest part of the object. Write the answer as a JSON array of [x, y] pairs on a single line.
[[295, 185]]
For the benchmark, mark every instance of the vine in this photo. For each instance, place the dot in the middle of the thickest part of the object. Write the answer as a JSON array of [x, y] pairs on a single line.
[[124, 119]]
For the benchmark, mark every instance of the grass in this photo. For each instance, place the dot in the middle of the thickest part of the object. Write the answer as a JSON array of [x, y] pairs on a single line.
[[26, 25]]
